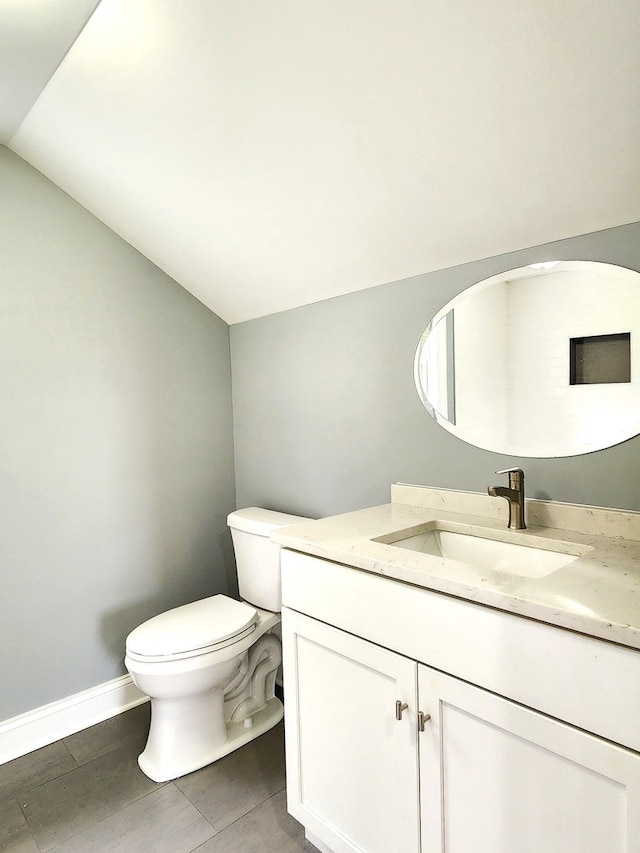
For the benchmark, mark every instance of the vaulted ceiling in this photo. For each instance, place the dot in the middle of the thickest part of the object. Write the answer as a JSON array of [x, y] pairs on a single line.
[[272, 153]]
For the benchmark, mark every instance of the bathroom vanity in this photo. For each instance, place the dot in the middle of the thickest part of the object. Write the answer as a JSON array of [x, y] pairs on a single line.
[[451, 685]]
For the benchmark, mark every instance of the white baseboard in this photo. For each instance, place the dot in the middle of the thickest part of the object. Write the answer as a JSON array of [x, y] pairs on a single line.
[[44, 725], [319, 845]]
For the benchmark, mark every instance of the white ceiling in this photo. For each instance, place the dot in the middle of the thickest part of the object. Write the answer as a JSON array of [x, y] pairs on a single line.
[[34, 37], [273, 153]]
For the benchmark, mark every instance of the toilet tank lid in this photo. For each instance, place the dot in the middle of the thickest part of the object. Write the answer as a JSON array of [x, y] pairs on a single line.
[[260, 521], [192, 626]]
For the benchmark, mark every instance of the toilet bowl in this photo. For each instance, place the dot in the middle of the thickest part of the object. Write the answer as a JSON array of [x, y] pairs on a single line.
[[209, 667]]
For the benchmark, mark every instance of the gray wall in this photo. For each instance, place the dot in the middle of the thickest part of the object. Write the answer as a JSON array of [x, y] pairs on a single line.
[[116, 454], [326, 415], [116, 445]]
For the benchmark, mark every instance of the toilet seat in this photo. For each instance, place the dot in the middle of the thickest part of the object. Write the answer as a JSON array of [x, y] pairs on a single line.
[[193, 629]]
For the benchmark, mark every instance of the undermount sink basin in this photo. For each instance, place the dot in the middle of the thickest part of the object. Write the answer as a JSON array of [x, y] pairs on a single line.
[[489, 550]]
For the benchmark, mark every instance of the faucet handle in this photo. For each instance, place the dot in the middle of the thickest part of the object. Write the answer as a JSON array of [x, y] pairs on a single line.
[[516, 477]]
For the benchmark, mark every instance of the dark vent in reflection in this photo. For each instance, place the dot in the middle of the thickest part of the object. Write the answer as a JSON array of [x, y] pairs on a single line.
[[600, 359]]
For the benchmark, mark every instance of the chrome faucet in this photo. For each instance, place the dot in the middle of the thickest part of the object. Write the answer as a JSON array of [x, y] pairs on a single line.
[[514, 496]]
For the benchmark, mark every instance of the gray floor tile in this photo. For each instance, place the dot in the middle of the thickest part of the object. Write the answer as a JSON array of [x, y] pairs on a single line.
[[229, 788], [31, 770], [15, 836], [65, 806], [102, 738], [266, 829], [162, 822]]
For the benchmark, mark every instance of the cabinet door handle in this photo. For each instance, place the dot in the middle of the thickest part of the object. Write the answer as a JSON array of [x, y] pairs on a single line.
[[422, 719], [400, 707]]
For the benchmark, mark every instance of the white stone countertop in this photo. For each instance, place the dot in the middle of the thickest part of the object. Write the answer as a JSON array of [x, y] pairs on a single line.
[[597, 594]]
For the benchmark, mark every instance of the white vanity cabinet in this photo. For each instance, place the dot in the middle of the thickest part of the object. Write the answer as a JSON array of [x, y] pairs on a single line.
[[352, 768], [497, 777], [487, 774]]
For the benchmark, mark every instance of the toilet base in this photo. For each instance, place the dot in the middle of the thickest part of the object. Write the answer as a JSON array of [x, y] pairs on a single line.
[[163, 769]]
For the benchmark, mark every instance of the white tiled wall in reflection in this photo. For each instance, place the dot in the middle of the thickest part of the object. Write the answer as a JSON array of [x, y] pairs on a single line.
[[525, 360]]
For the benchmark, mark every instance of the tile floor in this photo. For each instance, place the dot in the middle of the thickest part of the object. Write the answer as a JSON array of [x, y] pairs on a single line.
[[86, 794]]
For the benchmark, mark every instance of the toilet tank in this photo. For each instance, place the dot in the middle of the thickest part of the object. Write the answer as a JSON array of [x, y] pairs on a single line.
[[257, 558]]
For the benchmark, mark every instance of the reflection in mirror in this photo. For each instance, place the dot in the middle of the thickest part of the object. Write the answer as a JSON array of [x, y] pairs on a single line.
[[539, 361]]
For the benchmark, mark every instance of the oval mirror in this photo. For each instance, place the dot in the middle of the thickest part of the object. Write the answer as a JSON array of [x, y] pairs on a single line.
[[538, 361]]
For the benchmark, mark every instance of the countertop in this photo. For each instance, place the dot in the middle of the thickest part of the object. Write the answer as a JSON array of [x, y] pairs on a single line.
[[597, 594]]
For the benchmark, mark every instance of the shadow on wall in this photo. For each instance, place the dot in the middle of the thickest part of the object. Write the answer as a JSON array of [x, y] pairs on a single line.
[[117, 624], [229, 560]]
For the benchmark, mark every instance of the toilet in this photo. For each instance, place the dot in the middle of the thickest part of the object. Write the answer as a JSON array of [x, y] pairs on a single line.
[[210, 667]]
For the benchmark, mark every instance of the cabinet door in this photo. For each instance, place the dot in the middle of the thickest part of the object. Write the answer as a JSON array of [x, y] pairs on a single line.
[[499, 778], [352, 767]]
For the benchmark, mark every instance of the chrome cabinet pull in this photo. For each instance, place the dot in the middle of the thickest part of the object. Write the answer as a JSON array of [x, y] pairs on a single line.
[[422, 719], [400, 707]]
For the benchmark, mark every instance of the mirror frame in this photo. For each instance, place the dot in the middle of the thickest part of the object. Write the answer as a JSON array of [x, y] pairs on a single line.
[[594, 274]]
